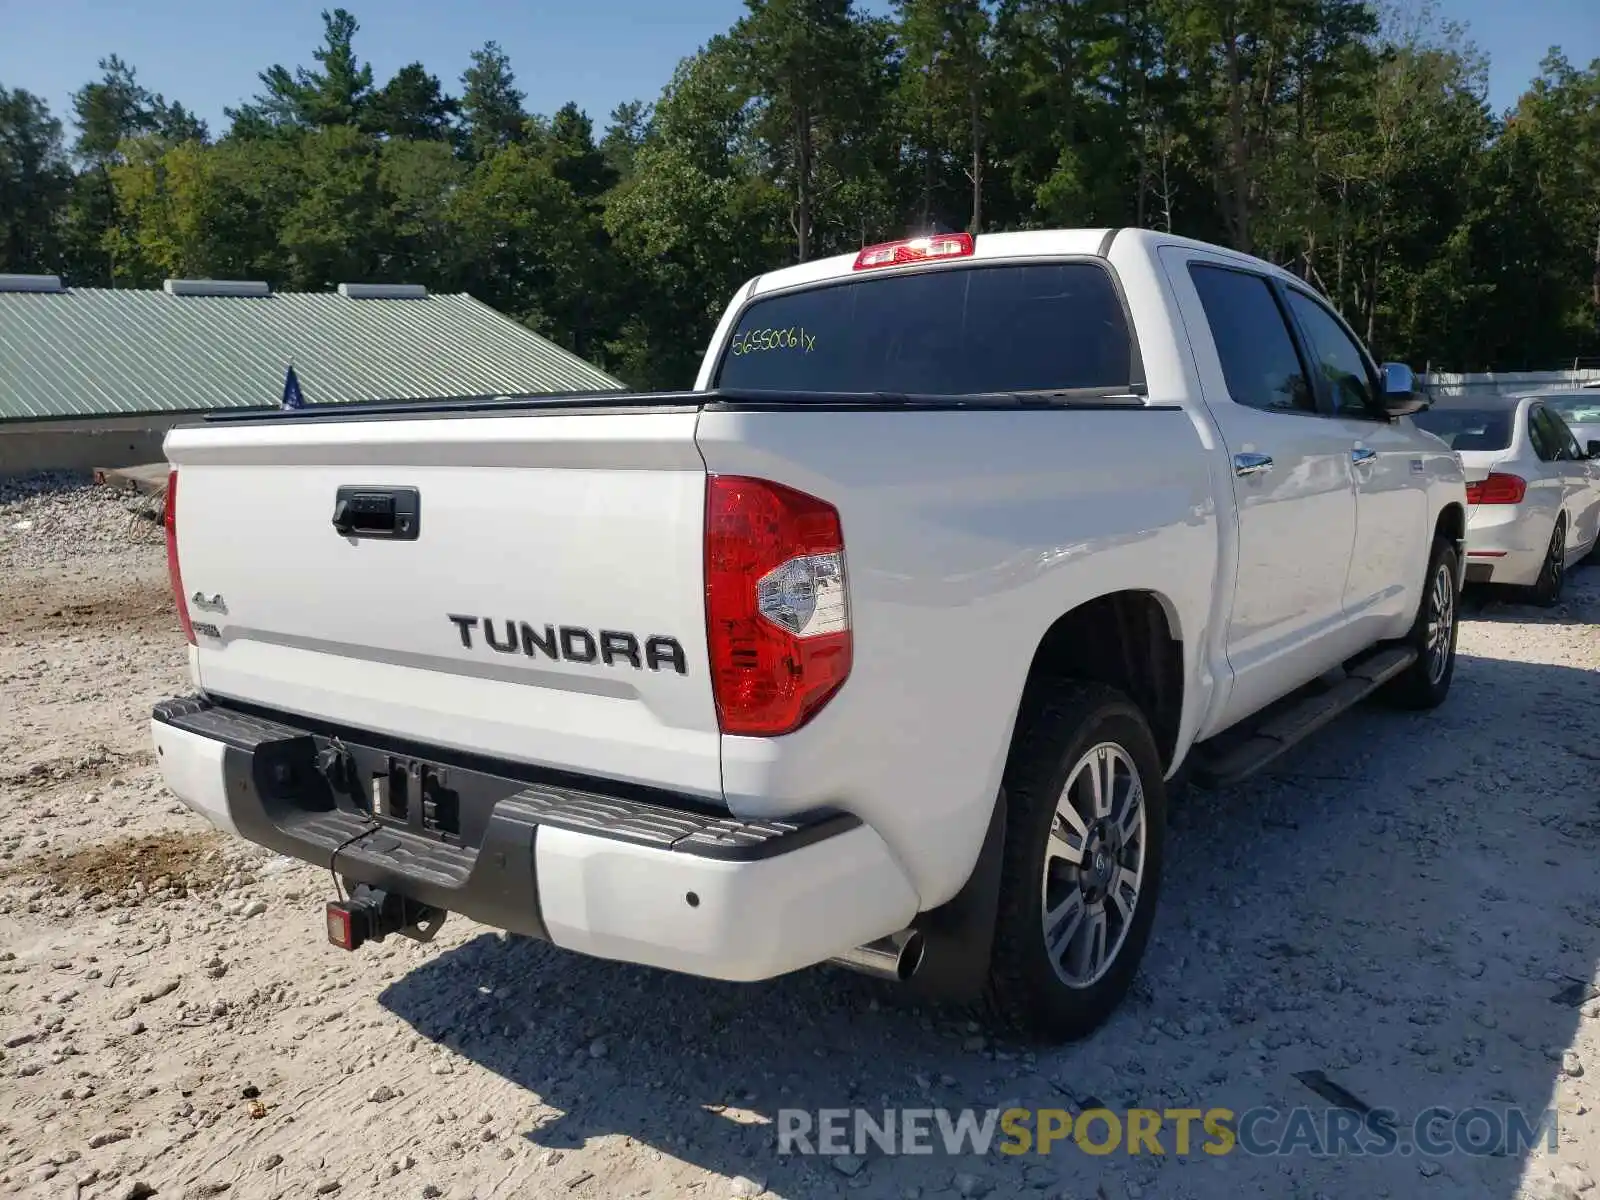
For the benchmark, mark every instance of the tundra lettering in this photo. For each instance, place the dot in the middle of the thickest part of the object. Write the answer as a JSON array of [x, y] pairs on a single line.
[[572, 643]]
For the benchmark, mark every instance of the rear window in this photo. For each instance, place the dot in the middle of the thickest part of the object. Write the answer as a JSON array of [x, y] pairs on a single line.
[[1468, 428], [1039, 327]]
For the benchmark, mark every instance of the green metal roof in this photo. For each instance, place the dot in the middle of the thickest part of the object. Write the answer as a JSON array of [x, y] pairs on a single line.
[[96, 352]]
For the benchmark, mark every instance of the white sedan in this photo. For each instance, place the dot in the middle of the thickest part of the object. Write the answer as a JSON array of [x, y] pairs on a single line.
[[1533, 493]]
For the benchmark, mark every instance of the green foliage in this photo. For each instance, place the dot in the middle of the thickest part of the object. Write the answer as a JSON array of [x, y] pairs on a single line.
[[491, 104], [945, 98], [412, 106], [695, 219], [34, 184], [117, 106], [1353, 146], [337, 94]]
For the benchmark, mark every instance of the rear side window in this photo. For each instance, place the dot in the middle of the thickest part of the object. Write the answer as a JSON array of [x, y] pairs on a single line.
[[1554, 434], [1468, 428], [1259, 362], [1545, 444], [951, 332]]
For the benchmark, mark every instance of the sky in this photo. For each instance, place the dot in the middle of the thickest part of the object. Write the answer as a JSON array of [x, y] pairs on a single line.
[[206, 53]]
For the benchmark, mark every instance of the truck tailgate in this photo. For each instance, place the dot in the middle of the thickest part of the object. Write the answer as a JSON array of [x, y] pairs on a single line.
[[549, 608]]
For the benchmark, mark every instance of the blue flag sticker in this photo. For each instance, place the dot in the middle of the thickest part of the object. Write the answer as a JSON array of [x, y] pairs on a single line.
[[292, 396]]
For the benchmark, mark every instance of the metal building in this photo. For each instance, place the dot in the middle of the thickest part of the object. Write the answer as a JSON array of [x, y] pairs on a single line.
[[93, 377]]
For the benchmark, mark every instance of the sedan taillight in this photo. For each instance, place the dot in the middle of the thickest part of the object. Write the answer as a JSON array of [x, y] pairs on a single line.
[[1497, 488]]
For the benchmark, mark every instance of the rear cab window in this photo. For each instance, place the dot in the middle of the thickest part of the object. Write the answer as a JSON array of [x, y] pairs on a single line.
[[950, 331]]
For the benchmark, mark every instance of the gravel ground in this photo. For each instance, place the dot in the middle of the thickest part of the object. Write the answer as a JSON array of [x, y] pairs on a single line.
[[1408, 905]]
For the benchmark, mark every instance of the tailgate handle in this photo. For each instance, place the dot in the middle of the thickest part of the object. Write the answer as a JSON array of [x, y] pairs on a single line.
[[377, 512]]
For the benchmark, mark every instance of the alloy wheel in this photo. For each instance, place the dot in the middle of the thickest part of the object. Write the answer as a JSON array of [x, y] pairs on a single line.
[[1441, 622], [1094, 865], [1557, 564]]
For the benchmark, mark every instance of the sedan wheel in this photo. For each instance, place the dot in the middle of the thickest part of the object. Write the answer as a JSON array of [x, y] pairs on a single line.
[[1553, 575]]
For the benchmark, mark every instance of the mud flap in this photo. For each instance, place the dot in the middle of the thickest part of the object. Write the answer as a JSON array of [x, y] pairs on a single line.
[[958, 936]]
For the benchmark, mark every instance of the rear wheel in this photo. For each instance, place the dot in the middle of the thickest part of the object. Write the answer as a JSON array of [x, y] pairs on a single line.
[[1085, 832], [1553, 574], [1426, 682]]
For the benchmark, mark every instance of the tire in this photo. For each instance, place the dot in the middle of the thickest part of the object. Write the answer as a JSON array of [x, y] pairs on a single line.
[[1426, 682], [1078, 730], [1546, 591]]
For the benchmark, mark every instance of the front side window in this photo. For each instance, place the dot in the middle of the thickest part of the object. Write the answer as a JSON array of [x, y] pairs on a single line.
[[1259, 362], [1022, 327], [1338, 357]]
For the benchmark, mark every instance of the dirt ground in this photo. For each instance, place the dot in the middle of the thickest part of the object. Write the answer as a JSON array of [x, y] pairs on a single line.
[[1409, 906]]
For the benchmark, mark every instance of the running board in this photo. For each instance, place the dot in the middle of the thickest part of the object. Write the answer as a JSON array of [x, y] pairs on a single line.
[[1217, 766]]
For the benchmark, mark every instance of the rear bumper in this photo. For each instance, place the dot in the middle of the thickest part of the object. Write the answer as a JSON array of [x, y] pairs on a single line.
[[653, 879], [1505, 545]]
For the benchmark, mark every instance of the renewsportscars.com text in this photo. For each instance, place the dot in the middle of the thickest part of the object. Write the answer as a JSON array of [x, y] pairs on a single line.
[[1264, 1131]]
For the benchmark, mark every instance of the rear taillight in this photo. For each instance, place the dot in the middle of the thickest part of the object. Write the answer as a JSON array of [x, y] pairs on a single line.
[[171, 522], [777, 614], [1497, 488]]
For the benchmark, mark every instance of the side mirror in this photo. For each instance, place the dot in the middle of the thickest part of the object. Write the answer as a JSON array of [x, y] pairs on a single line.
[[1594, 449], [1400, 396]]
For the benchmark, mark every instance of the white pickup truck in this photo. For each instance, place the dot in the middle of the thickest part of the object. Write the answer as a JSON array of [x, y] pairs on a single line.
[[882, 645]]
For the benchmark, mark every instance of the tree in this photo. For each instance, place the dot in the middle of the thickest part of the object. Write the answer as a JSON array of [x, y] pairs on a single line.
[[336, 231], [695, 218], [491, 104], [1350, 144], [116, 107], [524, 242], [112, 108], [189, 211], [945, 89], [110, 113], [412, 105], [337, 94], [627, 132], [1532, 245], [815, 73], [34, 184], [569, 141], [418, 180]]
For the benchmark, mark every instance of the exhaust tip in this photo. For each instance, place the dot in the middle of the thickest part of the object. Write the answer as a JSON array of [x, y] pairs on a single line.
[[910, 956], [897, 957]]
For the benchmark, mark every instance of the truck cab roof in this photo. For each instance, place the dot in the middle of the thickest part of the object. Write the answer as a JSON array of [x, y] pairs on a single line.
[[1036, 243]]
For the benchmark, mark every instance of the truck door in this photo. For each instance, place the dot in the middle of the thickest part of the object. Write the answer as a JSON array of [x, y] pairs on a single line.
[[1393, 535], [1289, 468]]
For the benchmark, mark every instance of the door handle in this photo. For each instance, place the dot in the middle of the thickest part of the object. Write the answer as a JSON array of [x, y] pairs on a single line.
[[1362, 456], [1251, 464], [377, 512]]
